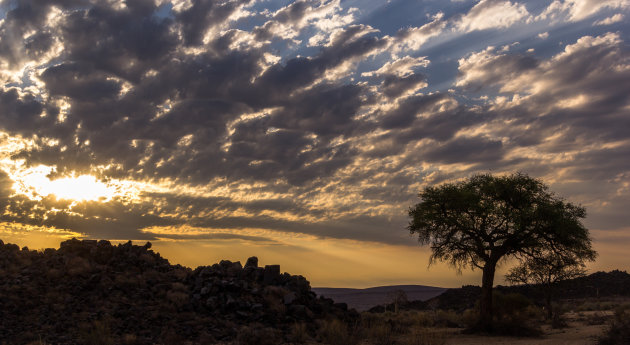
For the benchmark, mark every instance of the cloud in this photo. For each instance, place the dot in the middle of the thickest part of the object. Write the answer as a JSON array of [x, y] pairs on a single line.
[[566, 111], [288, 22], [401, 67], [487, 68], [576, 10], [415, 37], [297, 116], [465, 150], [490, 14], [610, 20]]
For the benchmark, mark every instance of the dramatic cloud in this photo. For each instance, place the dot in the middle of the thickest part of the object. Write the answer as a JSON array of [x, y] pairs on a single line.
[[253, 121], [489, 14], [610, 20], [580, 9]]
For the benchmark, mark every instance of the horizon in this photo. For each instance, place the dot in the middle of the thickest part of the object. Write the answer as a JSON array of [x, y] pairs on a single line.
[[301, 132]]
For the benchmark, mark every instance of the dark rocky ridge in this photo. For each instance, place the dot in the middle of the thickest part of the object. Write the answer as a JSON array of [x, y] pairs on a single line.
[[595, 285], [131, 295], [364, 299]]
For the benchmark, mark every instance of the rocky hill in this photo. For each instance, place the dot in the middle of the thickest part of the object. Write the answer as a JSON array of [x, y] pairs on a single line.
[[93, 292]]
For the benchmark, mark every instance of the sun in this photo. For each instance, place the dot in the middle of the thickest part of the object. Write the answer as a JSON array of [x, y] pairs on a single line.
[[80, 188], [36, 183]]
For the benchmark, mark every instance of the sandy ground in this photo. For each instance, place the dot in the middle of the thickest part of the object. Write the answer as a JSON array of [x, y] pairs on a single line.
[[576, 334], [579, 332]]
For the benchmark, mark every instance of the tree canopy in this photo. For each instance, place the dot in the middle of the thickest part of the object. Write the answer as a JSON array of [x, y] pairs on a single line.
[[483, 219]]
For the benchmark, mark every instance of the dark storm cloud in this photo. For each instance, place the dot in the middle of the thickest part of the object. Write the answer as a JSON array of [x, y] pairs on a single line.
[[393, 86], [406, 113], [21, 114], [215, 236], [206, 92], [367, 228], [112, 219], [465, 150], [5, 189], [80, 83], [203, 15]]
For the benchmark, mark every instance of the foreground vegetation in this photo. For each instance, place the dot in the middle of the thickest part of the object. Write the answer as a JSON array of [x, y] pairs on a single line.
[[583, 321]]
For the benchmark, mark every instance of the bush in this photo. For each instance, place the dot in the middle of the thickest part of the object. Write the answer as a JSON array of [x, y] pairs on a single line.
[[256, 334], [619, 331], [96, 333], [336, 332], [511, 305], [596, 319], [299, 333], [514, 315], [381, 334]]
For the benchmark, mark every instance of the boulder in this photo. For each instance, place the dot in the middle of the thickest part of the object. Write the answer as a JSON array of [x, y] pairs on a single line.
[[271, 274]]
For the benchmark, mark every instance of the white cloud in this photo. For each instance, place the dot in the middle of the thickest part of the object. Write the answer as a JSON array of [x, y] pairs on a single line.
[[610, 20], [289, 21], [401, 67], [488, 14], [575, 10], [414, 38]]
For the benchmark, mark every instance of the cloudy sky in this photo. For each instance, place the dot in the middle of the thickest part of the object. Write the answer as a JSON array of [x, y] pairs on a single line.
[[302, 131]]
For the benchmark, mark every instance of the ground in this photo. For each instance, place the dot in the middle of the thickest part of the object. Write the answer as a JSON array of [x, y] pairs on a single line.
[[578, 333]]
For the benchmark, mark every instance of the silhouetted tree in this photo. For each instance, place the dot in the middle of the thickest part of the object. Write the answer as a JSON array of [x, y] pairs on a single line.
[[481, 220], [546, 270], [398, 297]]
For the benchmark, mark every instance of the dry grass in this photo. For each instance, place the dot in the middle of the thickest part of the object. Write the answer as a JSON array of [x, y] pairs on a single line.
[[336, 332]]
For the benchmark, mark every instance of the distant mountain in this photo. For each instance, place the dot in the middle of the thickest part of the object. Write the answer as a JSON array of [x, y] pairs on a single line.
[[364, 299]]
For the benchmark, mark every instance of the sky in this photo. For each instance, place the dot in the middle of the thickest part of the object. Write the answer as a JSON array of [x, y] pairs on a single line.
[[302, 131]]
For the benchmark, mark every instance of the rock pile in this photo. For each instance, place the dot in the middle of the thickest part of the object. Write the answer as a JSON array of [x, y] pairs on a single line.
[[92, 292]]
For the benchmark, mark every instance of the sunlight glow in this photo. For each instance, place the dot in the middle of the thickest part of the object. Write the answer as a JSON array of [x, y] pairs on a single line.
[[83, 187], [78, 188]]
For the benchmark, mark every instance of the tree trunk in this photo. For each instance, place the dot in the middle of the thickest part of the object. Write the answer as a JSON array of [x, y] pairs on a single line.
[[487, 281], [548, 304]]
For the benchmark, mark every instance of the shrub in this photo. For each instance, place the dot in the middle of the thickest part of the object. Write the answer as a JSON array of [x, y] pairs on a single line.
[[178, 299], [299, 333], [509, 305], [619, 330], [96, 333], [256, 334], [470, 317], [448, 318], [399, 323], [596, 319], [336, 332], [381, 334], [423, 319], [513, 314]]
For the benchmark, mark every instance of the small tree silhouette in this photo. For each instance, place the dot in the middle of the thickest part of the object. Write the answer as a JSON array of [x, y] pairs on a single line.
[[398, 298], [546, 271]]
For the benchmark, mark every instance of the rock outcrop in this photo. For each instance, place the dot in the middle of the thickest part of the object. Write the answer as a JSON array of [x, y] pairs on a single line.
[[128, 294]]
